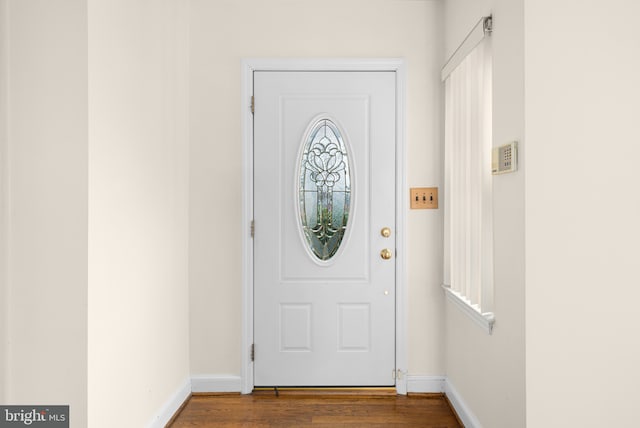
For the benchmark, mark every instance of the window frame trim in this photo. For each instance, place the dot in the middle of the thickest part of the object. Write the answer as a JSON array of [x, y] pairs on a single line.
[[484, 320]]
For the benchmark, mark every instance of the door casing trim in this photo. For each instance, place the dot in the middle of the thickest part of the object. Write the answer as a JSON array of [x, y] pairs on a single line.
[[250, 65]]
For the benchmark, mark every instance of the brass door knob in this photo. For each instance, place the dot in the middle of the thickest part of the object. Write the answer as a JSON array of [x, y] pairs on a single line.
[[385, 254], [386, 232]]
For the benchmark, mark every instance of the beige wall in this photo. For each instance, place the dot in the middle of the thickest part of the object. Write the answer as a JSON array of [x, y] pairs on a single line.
[[583, 205], [47, 205], [4, 83], [138, 203], [489, 370], [222, 33], [94, 186]]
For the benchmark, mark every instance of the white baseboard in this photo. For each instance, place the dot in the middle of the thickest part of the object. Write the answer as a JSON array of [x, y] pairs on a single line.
[[416, 383], [462, 409], [171, 406], [216, 383], [230, 383]]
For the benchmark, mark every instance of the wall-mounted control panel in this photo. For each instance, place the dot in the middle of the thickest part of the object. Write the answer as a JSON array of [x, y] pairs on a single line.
[[424, 198], [504, 159]]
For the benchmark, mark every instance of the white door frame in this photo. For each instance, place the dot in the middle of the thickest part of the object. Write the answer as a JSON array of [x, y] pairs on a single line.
[[396, 65]]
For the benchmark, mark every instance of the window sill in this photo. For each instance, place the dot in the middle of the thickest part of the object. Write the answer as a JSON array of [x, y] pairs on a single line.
[[484, 320]]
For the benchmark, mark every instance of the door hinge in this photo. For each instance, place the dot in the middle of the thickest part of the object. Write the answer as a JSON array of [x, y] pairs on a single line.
[[396, 374], [253, 228], [253, 104], [253, 352]]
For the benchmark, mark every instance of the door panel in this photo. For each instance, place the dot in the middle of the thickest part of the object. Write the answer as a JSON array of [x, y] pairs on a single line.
[[324, 322]]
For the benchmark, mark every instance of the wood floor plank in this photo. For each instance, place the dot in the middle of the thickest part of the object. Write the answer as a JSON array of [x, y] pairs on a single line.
[[307, 410]]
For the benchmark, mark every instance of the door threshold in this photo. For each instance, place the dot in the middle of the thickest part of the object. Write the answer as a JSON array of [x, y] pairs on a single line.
[[326, 391]]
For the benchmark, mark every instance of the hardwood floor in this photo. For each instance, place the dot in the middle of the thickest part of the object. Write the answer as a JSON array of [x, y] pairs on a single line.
[[317, 410]]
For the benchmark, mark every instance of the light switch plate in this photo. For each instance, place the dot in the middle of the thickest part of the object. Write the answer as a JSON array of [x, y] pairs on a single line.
[[424, 198]]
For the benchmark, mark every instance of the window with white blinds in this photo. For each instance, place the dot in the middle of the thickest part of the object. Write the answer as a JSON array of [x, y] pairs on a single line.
[[468, 251]]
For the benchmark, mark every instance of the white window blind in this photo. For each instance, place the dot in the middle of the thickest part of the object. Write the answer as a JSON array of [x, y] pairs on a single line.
[[468, 257]]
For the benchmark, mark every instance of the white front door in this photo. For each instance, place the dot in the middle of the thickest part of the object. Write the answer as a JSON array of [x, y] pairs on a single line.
[[324, 244]]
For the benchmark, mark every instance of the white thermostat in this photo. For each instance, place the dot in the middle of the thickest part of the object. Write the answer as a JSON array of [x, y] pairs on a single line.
[[504, 159]]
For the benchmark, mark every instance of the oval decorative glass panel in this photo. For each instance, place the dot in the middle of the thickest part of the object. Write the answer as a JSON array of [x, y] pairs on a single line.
[[324, 189]]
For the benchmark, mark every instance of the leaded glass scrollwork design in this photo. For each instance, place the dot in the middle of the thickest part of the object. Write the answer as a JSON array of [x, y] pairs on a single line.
[[324, 189]]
